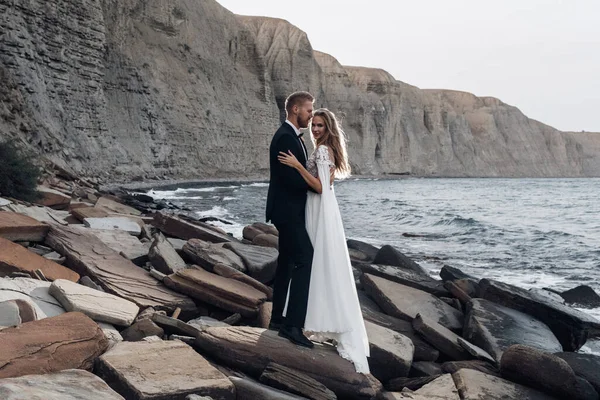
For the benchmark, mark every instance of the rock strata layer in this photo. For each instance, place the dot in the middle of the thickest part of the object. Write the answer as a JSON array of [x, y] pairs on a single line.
[[142, 89]]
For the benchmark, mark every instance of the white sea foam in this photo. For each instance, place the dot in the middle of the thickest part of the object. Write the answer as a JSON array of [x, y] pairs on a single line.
[[216, 211], [181, 193], [228, 198], [256, 184]]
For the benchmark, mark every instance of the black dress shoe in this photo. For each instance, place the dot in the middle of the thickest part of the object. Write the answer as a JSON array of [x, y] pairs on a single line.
[[295, 336], [275, 326]]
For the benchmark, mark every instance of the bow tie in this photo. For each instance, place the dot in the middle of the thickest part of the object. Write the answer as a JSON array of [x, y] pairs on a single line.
[[300, 134]]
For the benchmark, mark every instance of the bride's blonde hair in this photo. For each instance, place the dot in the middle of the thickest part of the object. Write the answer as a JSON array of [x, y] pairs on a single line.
[[335, 139]]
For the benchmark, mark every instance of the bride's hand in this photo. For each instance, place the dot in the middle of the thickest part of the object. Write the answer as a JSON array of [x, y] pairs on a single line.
[[289, 159]]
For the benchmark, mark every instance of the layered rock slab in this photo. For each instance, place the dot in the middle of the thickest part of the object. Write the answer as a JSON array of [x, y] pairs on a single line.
[[16, 258], [70, 340], [34, 292], [18, 227], [570, 326], [252, 349], [475, 385], [391, 352], [260, 261], [495, 328], [70, 384], [225, 293], [292, 381], [100, 306], [405, 302], [162, 370], [182, 229], [16, 312], [116, 274]]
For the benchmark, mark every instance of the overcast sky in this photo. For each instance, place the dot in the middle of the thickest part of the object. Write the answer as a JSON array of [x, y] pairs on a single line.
[[542, 56]]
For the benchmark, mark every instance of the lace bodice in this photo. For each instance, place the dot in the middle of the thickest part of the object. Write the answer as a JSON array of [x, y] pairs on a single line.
[[319, 156]]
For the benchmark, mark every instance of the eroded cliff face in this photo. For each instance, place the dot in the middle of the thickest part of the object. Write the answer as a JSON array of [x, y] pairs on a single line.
[[139, 89]]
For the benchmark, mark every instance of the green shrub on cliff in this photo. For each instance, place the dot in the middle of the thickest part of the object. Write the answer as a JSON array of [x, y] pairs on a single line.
[[18, 173]]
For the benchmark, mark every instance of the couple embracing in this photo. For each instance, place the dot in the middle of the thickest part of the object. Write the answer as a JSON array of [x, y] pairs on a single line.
[[314, 290]]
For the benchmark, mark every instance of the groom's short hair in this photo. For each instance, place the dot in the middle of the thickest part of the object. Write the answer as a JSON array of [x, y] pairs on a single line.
[[297, 99]]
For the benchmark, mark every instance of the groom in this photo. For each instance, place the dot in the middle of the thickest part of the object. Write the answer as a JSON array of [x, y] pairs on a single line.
[[286, 202]]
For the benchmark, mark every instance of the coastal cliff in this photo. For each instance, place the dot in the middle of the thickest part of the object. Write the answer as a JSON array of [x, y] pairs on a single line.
[[124, 90]]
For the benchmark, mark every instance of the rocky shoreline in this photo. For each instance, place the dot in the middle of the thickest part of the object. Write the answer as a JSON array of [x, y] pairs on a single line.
[[106, 294]]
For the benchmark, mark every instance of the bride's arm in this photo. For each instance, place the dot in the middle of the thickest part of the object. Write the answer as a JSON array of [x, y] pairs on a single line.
[[291, 161]]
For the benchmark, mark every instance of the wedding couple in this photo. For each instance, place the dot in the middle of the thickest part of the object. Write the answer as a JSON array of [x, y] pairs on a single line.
[[314, 289]]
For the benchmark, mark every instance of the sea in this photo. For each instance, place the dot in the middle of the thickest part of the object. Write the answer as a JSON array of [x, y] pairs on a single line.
[[532, 233]]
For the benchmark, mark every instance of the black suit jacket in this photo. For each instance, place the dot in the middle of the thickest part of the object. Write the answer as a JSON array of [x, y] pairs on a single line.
[[286, 199]]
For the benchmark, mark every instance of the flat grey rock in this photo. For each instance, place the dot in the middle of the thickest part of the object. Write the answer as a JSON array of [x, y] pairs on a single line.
[[246, 389], [260, 261], [161, 370], [475, 385], [35, 292], [99, 306], [391, 352], [405, 302], [120, 241], [114, 223], [406, 277], [70, 384], [164, 257], [495, 328], [571, 327]]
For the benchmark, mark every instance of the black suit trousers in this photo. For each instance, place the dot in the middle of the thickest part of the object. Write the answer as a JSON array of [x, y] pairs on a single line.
[[293, 269]]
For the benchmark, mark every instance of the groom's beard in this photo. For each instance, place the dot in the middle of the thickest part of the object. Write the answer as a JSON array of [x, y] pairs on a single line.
[[303, 123]]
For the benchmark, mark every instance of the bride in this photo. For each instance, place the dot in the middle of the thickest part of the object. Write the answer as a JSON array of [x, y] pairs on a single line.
[[333, 310]]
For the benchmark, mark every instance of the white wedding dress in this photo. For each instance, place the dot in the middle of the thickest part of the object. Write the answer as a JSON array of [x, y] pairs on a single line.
[[333, 310]]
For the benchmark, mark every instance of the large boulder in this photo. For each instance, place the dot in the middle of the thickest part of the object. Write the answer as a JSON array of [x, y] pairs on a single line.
[[206, 255], [361, 251], [99, 306], [260, 261], [446, 341], [582, 296], [16, 258], [423, 350], [122, 242], [495, 328], [440, 388], [70, 340], [252, 349], [52, 198], [586, 366], [292, 381], [225, 293], [546, 372], [248, 389], [114, 223], [70, 384], [389, 255], [163, 256], [110, 203], [182, 229], [475, 385], [116, 274], [162, 370], [405, 302], [406, 277], [571, 327], [391, 352], [18, 227]]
